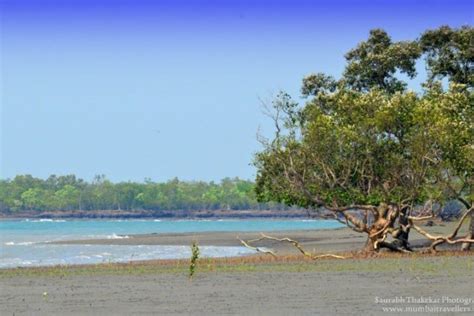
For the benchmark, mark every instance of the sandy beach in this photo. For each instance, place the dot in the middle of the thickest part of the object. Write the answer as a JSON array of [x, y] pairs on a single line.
[[331, 292], [324, 240], [321, 240], [191, 157], [256, 285]]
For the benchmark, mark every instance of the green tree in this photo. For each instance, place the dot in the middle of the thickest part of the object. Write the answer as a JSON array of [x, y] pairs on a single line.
[[35, 199], [71, 193], [449, 53], [375, 62], [365, 149], [67, 198]]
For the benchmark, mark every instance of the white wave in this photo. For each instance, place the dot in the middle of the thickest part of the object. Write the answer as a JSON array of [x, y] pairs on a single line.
[[24, 243], [157, 220], [83, 257], [47, 220], [115, 236], [77, 254]]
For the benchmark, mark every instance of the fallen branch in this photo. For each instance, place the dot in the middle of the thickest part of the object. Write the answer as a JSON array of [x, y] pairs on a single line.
[[291, 241], [440, 239], [256, 248], [455, 232], [447, 239]]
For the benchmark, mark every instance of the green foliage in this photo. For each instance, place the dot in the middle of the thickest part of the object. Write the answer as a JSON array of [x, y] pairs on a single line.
[[194, 259], [365, 140], [67, 197], [318, 83], [70, 193], [449, 53], [374, 63]]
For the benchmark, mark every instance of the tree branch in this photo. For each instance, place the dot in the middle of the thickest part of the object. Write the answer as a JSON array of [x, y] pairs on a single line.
[[291, 241], [243, 242], [438, 240]]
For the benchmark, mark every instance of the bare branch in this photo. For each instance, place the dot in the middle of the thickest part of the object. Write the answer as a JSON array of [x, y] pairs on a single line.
[[464, 202], [456, 230], [439, 239], [274, 114], [420, 218], [295, 243], [256, 248], [346, 222]]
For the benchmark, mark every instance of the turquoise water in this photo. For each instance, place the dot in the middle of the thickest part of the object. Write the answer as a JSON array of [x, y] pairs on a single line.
[[26, 242]]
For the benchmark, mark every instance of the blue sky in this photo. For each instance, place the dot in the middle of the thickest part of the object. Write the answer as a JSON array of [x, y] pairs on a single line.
[[163, 89]]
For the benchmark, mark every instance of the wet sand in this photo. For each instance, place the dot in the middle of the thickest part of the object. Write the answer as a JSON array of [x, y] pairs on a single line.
[[301, 287], [321, 240], [325, 240], [349, 288]]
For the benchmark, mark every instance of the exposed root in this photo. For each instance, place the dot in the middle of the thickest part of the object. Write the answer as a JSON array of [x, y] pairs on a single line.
[[450, 239], [295, 243], [391, 246]]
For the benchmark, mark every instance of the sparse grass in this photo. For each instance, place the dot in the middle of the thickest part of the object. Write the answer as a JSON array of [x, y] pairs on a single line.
[[450, 263]]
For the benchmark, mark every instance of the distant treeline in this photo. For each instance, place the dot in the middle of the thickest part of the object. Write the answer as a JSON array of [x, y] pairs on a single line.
[[27, 193]]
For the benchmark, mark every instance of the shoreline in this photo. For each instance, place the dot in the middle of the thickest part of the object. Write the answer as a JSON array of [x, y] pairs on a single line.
[[166, 214], [257, 259], [341, 239], [331, 239], [259, 284], [318, 241]]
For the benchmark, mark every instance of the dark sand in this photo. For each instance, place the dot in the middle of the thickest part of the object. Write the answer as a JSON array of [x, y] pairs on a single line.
[[321, 240], [330, 292], [326, 240], [326, 287]]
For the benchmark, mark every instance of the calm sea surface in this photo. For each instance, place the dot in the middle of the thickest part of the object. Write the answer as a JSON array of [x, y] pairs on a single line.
[[26, 242]]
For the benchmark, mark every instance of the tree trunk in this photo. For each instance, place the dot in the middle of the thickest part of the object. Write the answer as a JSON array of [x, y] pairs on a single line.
[[467, 246], [369, 245], [388, 216], [401, 236]]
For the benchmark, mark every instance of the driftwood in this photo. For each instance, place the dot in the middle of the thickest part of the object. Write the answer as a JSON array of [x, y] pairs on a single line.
[[378, 236], [295, 243]]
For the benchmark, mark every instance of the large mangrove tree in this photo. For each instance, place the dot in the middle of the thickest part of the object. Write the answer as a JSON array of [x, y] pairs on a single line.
[[377, 156]]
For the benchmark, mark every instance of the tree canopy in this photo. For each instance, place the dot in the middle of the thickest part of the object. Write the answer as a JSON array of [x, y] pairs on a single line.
[[25, 192], [449, 53], [365, 143]]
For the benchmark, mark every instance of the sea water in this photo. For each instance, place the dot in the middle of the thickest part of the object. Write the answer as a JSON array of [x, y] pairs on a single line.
[[27, 242]]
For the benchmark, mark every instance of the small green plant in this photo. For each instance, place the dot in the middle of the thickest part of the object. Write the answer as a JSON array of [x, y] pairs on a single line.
[[194, 259]]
